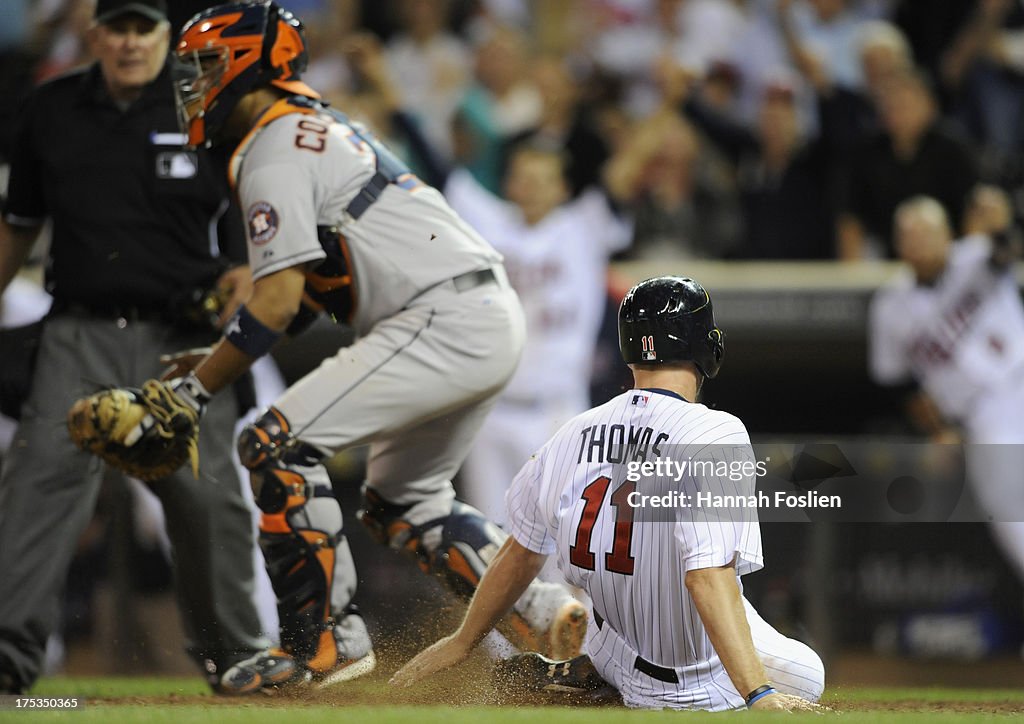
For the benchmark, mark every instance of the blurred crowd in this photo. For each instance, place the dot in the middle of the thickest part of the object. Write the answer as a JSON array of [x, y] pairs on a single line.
[[730, 129], [756, 129]]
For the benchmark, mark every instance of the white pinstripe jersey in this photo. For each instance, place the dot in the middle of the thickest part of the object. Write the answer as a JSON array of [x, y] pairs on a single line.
[[634, 573], [961, 338], [558, 268]]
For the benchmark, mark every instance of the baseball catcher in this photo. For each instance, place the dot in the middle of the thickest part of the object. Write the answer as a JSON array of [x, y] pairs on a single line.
[[148, 433]]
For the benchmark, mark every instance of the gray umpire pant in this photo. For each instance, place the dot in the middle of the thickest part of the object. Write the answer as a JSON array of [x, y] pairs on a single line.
[[48, 490]]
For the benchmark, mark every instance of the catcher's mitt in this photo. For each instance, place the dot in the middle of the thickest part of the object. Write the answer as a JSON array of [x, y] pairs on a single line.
[[109, 423]]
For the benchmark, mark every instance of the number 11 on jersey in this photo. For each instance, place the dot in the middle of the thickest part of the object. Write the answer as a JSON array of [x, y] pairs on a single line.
[[619, 559]]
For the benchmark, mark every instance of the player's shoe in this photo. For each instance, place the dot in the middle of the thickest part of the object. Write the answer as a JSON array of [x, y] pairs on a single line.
[[267, 670], [535, 674], [557, 621], [355, 652]]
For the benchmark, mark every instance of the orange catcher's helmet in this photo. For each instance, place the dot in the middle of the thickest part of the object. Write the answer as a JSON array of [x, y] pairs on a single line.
[[229, 50]]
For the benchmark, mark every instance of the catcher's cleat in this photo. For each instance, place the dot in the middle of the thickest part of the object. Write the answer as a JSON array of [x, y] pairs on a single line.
[[266, 670], [352, 655], [346, 670], [532, 673]]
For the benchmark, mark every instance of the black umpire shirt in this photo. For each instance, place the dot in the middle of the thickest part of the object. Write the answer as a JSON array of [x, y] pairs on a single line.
[[135, 213]]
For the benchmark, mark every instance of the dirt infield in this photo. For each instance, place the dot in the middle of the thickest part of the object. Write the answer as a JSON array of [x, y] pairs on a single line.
[[922, 706], [865, 687], [460, 692]]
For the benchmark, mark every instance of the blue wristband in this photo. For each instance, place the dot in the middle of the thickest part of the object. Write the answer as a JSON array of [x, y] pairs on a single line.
[[249, 334], [758, 694]]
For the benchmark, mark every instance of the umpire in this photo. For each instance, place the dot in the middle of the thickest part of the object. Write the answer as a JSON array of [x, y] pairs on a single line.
[[135, 219]]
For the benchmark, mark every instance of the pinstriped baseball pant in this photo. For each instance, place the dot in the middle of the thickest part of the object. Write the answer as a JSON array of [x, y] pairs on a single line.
[[791, 665]]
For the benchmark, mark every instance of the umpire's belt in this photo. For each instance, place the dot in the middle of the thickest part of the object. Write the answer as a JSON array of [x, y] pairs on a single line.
[[642, 665], [129, 312]]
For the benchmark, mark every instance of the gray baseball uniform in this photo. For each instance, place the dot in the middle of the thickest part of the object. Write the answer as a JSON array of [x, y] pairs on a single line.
[[428, 352], [439, 334]]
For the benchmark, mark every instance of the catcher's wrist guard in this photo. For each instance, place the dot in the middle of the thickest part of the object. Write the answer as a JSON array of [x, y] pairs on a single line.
[[249, 334]]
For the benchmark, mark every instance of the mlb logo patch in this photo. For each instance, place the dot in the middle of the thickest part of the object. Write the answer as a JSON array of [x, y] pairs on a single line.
[[647, 353], [263, 222], [641, 398]]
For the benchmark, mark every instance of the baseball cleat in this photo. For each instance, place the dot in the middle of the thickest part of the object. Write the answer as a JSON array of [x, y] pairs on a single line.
[[354, 656], [266, 670], [346, 670], [535, 674]]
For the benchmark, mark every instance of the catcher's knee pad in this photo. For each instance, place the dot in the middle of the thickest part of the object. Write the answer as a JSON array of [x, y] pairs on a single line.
[[300, 561], [468, 544], [270, 439], [386, 523], [457, 546]]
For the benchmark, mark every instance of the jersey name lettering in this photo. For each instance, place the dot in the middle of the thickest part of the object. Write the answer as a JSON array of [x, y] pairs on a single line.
[[612, 443]]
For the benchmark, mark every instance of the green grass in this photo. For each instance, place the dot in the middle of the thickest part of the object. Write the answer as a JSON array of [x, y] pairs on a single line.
[[181, 701]]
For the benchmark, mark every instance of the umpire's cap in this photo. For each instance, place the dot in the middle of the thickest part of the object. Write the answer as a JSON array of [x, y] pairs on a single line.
[[107, 10], [670, 319]]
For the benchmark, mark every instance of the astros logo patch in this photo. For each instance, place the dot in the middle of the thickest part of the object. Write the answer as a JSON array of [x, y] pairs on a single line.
[[262, 222]]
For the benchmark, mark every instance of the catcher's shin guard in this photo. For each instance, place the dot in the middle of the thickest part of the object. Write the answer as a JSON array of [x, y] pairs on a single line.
[[458, 547], [300, 534]]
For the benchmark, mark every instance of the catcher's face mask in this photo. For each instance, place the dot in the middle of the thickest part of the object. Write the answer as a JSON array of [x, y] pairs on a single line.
[[229, 50], [198, 76]]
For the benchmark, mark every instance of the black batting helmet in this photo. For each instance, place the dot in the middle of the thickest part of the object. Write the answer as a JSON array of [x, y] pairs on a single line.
[[670, 319]]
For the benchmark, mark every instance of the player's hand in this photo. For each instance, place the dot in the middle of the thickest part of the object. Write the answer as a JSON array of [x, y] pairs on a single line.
[[786, 702], [235, 286], [182, 362], [438, 657]]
